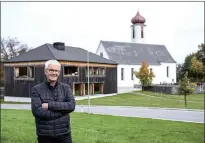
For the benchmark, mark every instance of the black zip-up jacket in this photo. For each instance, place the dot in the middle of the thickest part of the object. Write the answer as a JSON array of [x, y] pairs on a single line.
[[54, 121]]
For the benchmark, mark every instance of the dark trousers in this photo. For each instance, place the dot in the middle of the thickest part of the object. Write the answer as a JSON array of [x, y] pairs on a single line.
[[62, 139]]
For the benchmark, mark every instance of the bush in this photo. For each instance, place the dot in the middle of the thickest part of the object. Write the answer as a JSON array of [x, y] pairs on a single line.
[[192, 84]]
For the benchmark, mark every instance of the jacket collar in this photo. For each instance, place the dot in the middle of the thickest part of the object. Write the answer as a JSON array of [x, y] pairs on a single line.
[[49, 84]]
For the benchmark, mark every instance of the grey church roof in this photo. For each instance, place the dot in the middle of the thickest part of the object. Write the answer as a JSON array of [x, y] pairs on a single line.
[[47, 52], [135, 53]]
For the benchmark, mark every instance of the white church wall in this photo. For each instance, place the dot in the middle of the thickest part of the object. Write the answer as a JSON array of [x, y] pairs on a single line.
[[171, 78], [159, 71], [102, 49]]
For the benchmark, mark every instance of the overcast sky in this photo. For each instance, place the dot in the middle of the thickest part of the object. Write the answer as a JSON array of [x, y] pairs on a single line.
[[179, 26]]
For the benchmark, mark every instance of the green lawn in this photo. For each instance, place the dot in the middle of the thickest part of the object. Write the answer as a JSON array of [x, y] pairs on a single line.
[[157, 100], [193, 97], [17, 126]]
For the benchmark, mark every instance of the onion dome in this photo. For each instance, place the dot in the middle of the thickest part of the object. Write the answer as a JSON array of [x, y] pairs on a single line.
[[138, 19]]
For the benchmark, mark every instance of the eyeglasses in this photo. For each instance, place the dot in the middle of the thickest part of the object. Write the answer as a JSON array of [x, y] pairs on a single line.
[[52, 71]]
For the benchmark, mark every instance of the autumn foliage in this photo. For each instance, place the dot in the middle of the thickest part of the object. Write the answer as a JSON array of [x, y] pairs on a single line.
[[145, 75]]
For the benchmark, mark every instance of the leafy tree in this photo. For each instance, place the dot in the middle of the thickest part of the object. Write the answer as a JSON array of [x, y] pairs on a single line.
[[144, 75], [197, 69], [185, 88], [187, 65], [194, 66], [201, 52], [180, 72]]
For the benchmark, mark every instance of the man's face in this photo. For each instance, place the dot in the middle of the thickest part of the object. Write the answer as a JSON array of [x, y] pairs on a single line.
[[52, 72]]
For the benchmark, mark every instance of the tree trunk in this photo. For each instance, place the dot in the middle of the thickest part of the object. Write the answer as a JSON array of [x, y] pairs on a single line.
[[185, 100], [142, 88]]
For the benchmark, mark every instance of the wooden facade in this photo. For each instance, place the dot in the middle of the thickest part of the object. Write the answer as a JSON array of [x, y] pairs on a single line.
[[19, 78]]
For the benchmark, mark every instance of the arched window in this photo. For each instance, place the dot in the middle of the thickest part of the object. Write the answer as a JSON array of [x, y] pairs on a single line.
[[133, 32], [142, 32]]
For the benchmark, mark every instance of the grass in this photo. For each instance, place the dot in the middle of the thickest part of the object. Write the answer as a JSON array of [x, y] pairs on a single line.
[[193, 97], [155, 100], [18, 127]]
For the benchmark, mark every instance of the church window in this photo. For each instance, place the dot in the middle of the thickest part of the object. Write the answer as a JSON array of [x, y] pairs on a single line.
[[133, 32], [142, 32]]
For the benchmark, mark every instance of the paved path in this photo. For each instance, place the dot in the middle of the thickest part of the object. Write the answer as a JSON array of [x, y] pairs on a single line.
[[196, 116]]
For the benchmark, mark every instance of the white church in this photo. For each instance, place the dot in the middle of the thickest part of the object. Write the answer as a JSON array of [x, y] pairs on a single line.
[[130, 55]]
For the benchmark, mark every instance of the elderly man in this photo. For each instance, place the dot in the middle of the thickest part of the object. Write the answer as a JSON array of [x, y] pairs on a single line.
[[51, 102]]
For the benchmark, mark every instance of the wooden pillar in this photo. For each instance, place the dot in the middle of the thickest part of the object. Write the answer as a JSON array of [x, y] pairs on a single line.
[[81, 92], [93, 88], [73, 89], [101, 88], [84, 89], [90, 88]]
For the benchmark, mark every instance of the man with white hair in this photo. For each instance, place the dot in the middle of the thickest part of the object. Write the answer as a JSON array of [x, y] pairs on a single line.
[[51, 103]]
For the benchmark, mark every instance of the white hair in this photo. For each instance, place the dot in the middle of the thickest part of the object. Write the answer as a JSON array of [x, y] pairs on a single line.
[[51, 62]]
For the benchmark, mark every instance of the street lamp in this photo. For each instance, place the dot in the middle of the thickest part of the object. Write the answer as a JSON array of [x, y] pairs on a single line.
[[88, 82]]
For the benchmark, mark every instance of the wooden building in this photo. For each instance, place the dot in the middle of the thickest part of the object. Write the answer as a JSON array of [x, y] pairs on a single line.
[[23, 72]]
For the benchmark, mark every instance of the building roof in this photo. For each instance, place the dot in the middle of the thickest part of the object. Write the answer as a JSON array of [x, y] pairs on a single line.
[[135, 53], [48, 52]]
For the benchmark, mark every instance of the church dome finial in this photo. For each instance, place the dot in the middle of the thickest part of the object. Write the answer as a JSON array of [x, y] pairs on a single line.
[[138, 19]]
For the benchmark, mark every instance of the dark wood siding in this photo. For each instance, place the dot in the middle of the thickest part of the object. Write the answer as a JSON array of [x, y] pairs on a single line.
[[22, 88], [110, 85]]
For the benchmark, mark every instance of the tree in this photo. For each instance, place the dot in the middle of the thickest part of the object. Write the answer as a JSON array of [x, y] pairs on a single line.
[[197, 69], [185, 87], [201, 52], [11, 47], [187, 65], [144, 75], [180, 72]]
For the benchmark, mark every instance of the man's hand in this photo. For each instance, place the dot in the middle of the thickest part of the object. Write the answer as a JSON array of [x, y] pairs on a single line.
[[45, 105]]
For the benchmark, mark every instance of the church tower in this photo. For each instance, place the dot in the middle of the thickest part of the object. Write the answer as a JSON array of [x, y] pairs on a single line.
[[137, 29]]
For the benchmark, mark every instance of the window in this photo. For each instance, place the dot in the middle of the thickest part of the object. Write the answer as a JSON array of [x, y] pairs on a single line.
[[70, 70], [132, 72], [102, 71], [167, 71], [101, 54], [142, 32], [122, 73], [91, 71], [24, 72], [133, 32], [96, 71]]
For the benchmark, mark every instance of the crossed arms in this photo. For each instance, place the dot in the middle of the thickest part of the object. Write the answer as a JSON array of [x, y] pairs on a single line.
[[53, 109]]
